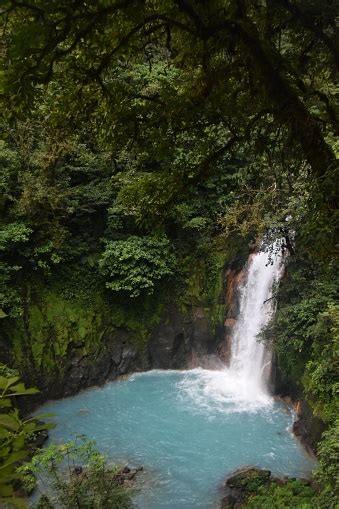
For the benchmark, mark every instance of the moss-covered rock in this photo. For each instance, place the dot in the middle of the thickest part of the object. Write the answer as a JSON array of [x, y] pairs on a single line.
[[73, 333], [254, 488]]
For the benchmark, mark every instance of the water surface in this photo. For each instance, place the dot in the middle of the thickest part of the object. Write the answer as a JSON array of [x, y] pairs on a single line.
[[189, 429]]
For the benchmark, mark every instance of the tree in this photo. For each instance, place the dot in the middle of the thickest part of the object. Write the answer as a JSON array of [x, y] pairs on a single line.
[[175, 89], [268, 59]]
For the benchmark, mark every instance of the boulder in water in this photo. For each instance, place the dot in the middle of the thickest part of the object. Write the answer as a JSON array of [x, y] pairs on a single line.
[[248, 478], [241, 484]]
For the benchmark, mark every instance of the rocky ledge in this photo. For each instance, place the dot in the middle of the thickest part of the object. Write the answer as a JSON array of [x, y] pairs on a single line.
[[245, 482]]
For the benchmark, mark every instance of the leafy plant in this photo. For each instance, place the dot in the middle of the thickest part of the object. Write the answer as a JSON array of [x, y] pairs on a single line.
[[137, 264], [321, 379], [14, 433], [327, 472], [293, 494], [77, 476], [12, 236], [304, 334]]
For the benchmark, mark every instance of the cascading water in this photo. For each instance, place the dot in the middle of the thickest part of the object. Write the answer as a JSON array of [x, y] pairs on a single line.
[[249, 357], [242, 386]]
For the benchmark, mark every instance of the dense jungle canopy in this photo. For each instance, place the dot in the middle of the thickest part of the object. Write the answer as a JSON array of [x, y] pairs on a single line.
[[139, 138], [176, 89]]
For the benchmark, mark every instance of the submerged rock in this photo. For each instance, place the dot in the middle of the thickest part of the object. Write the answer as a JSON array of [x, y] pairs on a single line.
[[126, 475]]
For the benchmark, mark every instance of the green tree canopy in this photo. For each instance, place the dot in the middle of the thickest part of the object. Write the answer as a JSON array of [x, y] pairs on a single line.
[[175, 90]]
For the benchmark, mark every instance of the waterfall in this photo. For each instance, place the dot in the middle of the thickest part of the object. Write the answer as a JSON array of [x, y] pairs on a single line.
[[242, 385], [250, 360]]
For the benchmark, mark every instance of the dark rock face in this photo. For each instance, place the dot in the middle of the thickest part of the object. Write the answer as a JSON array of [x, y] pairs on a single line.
[[308, 428], [179, 342], [228, 501], [234, 278], [116, 357]]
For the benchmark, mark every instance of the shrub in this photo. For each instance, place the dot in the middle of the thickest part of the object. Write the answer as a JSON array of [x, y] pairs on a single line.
[[77, 478], [14, 434], [294, 495], [137, 264]]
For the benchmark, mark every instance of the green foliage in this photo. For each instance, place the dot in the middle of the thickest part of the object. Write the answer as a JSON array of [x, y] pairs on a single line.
[[321, 379], [95, 487], [14, 433], [304, 334], [292, 494], [53, 322], [300, 332], [327, 472], [251, 483], [7, 372], [9, 297], [12, 234], [125, 120], [137, 264]]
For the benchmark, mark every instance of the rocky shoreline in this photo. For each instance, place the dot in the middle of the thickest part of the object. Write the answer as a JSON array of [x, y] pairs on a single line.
[[247, 482]]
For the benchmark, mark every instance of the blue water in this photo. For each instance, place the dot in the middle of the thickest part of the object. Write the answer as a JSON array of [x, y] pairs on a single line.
[[186, 431]]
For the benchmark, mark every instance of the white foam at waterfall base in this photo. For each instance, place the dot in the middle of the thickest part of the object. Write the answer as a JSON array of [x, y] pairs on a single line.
[[243, 385], [220, 391]]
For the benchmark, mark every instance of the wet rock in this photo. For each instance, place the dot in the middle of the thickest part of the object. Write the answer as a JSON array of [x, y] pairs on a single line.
[[248, 478], [38, 439], [305, 482], [178, 342], [168, 342], [308, 427], [228, 502], [243, 483], [126, 475], [116, 353]]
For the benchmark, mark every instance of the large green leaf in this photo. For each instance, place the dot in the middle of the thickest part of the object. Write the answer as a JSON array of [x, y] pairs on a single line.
[[7, 382], [42, 427], [20, 390], [5, 451], [18, 442], [5, 403], [4, 433], [8, 422], [2, 313], [47, 415], [14, 457]]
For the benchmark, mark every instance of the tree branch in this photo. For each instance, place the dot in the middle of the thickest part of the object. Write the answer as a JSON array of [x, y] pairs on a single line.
[[306, 21]]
